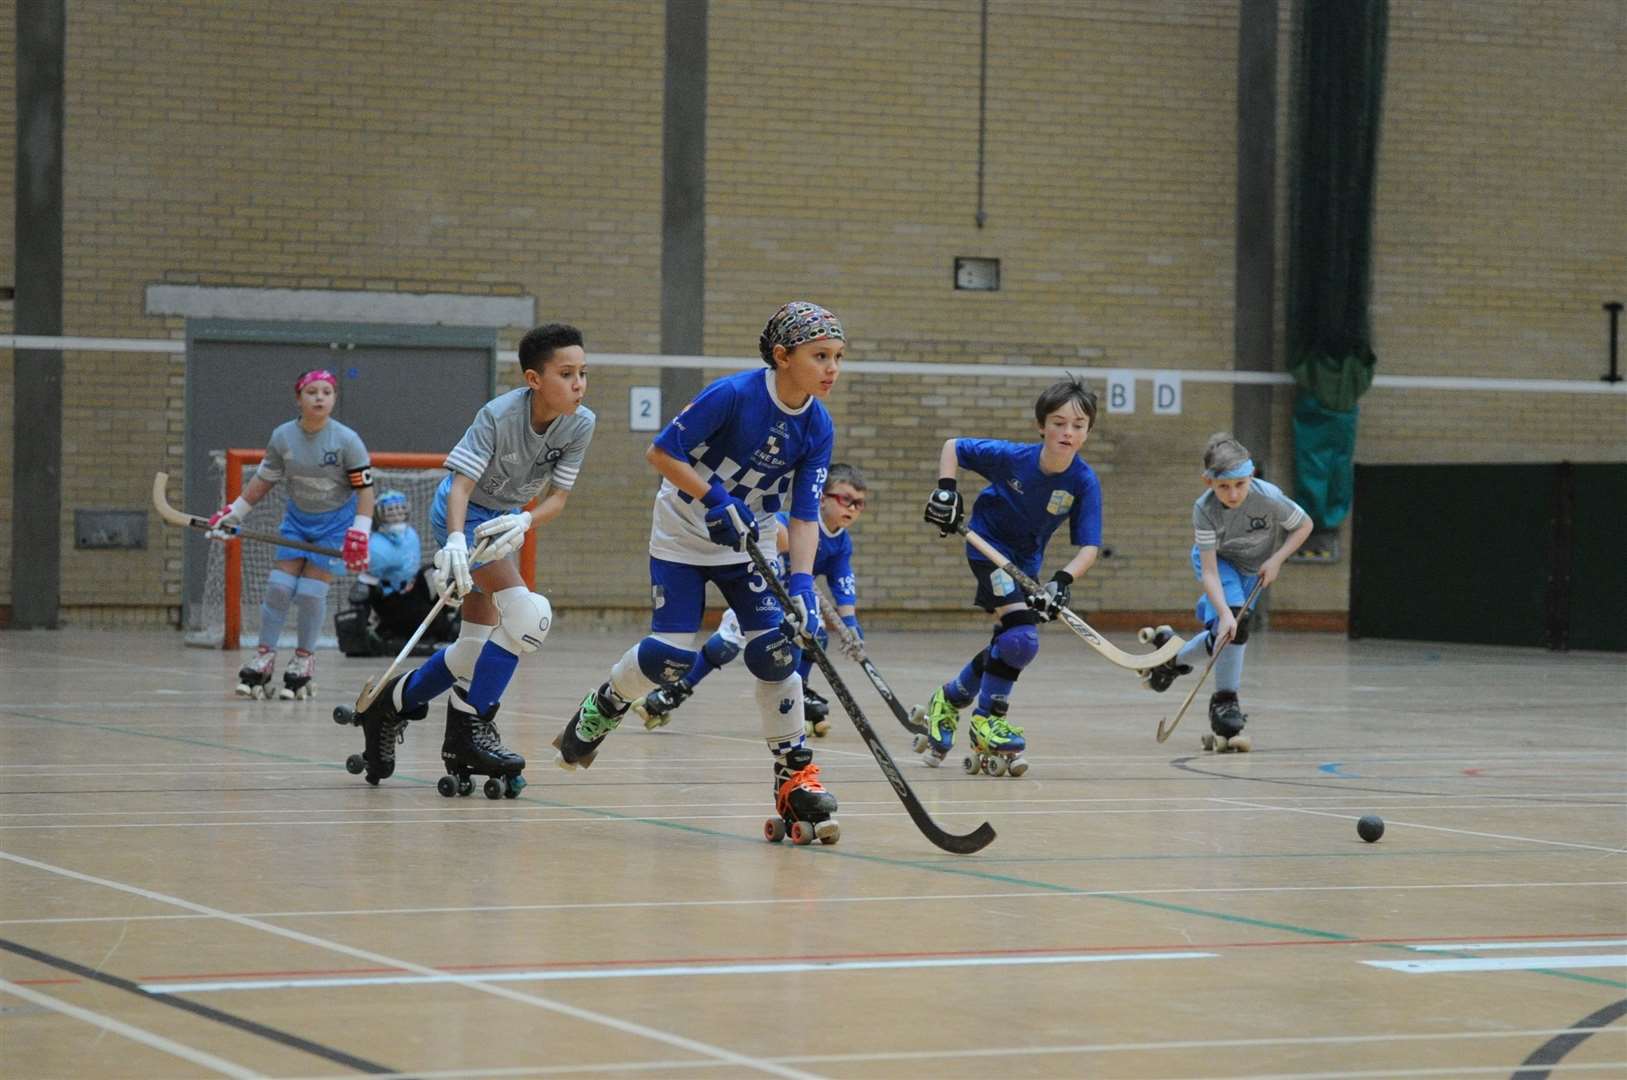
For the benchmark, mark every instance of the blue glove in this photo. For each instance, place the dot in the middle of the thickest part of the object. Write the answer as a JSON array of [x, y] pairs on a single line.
[[729, 521], [803, 616]]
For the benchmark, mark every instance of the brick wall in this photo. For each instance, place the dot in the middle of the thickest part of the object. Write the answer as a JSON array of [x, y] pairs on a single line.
[[493, 148]]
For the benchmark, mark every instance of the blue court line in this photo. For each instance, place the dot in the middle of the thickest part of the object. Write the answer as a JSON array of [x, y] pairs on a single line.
[[1333, 768]]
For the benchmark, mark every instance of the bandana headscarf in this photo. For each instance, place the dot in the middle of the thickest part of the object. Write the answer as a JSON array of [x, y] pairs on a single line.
[[319, 375], [798, 323], [1236, 472]]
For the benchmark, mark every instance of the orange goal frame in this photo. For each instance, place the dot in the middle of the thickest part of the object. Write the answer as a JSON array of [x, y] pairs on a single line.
[[237, 459]]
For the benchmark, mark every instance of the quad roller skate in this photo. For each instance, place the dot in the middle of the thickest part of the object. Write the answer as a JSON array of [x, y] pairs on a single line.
[[579, 743], [383, 727], [1158, 678], [802, 803], [1226, 720], [815, 712], [997, 746], [472, 747], [254, 680], [655, 708], [939, 717], [298, 677]]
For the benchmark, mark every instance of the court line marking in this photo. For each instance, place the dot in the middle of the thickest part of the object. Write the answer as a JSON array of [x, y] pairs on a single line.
[[1432, 828], [1484, 946], [131, 1032], [1500, 963], [665, 971], [626, 1027]]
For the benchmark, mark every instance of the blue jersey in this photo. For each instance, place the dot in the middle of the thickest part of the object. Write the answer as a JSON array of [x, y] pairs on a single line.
[[393, 556], [1023, 505], [766, 454], [834, 561]]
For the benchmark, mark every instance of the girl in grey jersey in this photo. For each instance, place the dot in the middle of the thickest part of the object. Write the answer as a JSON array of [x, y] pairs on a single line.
[[1243, 529], [330, 503]]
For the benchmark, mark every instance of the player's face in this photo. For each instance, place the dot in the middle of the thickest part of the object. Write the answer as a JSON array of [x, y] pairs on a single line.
[[810, 368], [842, 505], [316, 400], [1231, 493], [1065, 429], [563, 380]]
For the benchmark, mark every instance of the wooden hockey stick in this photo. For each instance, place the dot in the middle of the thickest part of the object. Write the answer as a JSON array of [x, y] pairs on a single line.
[[978, 838], [1165, 732], [1137, 662], [370, 688], [185, 520], [854, 647]]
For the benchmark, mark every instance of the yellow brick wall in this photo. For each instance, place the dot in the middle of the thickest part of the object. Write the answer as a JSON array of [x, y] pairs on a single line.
[[515, 148]]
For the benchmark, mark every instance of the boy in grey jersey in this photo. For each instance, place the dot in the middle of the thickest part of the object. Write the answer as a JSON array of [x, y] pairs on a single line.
[[1244, 530], [526, 442]]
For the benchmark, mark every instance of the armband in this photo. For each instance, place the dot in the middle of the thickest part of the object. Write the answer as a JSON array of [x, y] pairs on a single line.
[[361, 477]]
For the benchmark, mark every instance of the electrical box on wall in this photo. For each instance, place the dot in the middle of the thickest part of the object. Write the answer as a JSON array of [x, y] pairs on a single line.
[[110, 529], [977, 274]]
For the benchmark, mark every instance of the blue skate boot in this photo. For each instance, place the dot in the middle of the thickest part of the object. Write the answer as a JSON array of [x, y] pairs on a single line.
[[940, 717], [997, 746], [599, 714]]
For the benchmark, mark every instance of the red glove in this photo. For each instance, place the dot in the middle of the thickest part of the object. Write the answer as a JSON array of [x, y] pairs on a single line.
[[355, 550], [223, 523]]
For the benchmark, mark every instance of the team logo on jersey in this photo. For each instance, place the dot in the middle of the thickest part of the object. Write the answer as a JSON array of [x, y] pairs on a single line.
[[1015, 485], [1001, 583], [330, 457], [554, 454], [1061, 502], [1255, 524]]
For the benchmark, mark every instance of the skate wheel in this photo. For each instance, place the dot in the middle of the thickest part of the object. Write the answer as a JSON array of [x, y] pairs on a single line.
[[447, 786], [354, 764], [921, 743], [466, 786], [1144, 635], [997, 766], [1016, 767], [802, 833], [1240, 743], [513, 786], [931, 759], [774, 830], [828, 831], [972, 764], [493, 788], [1209, 742], [821, 728], [343, 714]]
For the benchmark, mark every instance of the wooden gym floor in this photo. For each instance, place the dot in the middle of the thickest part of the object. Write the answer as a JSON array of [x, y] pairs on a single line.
[[192, 885]]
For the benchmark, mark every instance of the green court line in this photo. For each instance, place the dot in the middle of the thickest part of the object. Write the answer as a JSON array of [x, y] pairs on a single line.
[[829, 852]]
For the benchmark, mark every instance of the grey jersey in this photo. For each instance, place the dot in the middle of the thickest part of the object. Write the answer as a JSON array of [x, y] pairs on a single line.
[[323, 470], [510, 462], [1249, 535]]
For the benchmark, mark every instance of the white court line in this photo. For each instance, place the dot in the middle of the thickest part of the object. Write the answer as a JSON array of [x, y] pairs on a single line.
[[809, 901], [1434, 828], [1500, 963], [665, 971], [134, 1034], [626, 1027], [1484, 946]]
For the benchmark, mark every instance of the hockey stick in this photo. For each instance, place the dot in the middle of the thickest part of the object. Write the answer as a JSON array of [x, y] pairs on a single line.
[[1165, 732], [185, 520], [854, 647], [370, 688], [978, 838], [1112, 653]]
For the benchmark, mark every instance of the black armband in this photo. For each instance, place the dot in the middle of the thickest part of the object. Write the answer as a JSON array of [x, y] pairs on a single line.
[[947, 483], [361, 477]]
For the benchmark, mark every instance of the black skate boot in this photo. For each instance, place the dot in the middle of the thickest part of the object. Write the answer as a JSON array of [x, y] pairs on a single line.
[[599, 714], [1159, 678], [804, 807], [383, 726], [1226, 720], [472, 747], [815, 711], [655, 708], [254, 680]]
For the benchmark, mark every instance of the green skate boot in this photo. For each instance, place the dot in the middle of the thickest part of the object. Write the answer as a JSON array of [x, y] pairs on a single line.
[[997, 746], [595, 718], [940, 717]]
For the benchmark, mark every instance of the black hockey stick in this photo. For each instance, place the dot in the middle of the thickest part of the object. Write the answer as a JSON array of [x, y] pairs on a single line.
[[978, 838], [186, 520], [853, 645]]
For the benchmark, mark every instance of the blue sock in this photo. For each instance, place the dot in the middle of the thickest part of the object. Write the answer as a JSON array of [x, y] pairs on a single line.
[[310, 601], [963, 687], [493, 670], [430, 681], [274, 608], [1229, 668]]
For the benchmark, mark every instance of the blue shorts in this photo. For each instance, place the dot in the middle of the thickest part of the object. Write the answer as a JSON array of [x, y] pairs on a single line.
[[1233, 582], [326, 528], [678, 596], [473, 517], [995, 587]]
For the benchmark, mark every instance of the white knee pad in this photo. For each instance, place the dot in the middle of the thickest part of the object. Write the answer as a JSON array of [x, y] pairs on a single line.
[[462, 653], [524, 618], [780, 703]]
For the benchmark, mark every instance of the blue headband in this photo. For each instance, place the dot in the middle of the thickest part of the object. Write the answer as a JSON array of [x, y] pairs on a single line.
[[1236, 472]]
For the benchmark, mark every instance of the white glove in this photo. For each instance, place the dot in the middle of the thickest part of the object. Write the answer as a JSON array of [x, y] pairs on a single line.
[[223, 522], [452, 578], [506, 533]]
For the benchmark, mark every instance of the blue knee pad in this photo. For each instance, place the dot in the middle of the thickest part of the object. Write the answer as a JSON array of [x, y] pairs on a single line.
[[663, 664], [719, 650], [771, 657], [1015, 646]]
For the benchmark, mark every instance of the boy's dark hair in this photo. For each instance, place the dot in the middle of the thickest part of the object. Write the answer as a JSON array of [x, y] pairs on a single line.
[[1059, 393], [540, 343], [851, 475]]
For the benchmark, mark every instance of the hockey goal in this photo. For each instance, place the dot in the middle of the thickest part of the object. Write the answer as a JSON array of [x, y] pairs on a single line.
[[235, 581]]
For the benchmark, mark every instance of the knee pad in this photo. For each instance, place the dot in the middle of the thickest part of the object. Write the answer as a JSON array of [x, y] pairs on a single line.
[[280, 588], [1243, 620], [524, 618], [662, 662], [720, 650], [461, 655], [770, 657], [1013, 649]]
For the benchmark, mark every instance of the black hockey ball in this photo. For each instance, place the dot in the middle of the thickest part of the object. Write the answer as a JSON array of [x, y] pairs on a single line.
[[1370, 828]]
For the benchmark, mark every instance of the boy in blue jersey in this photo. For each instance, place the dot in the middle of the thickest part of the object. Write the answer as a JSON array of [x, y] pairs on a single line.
[[748, 446], [1032, 489], [1244, 530], [842, 504]]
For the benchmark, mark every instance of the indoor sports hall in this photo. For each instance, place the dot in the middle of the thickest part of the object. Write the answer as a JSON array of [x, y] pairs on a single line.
[[1374, 247]]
